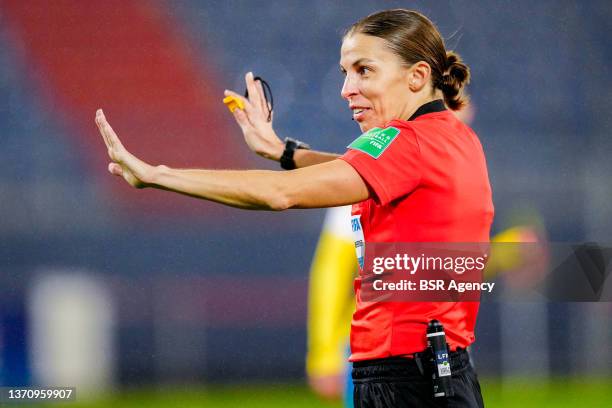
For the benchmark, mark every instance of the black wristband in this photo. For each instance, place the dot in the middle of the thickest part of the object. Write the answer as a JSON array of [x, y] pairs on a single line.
[[286, 160]]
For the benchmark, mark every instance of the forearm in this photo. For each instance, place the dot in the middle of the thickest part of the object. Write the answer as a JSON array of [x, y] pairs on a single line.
[[301, 157], [305, 158], [247, 189], [329, 184]]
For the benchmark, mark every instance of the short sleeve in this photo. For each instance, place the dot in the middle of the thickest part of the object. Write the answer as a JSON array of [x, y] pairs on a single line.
[[390, 171]]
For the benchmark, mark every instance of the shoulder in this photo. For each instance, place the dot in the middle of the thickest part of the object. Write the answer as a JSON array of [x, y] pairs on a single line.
[[437, 127], [376, 141], [427, 122], [388, 159]]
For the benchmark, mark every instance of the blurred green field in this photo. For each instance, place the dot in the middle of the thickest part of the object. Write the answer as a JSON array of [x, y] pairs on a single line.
[[524, 393]]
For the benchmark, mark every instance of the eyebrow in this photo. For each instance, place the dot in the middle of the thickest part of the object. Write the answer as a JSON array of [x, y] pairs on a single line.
[[358, 62]]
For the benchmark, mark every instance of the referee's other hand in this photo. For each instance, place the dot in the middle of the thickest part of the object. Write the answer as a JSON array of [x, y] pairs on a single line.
[[258, 132]]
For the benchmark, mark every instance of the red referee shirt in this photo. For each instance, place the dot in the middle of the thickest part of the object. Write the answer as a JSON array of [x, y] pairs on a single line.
[[429, 183]]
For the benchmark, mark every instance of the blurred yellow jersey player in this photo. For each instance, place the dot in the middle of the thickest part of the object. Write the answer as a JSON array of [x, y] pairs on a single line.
[[330, 306]]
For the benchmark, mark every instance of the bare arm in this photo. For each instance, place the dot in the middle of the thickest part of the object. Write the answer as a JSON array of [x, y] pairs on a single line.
[[305, 158], [323, 185]]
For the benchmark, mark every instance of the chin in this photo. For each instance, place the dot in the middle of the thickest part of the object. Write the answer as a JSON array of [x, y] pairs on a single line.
[[364, 126], [367, 125]]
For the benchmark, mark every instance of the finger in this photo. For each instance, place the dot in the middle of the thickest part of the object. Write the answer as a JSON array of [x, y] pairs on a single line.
[[248, 107], [103, 126], [263, 103], [98, 119], [227, 92], [107, 131], [242, 119], [252, 88], [115, 169], [239, 115]]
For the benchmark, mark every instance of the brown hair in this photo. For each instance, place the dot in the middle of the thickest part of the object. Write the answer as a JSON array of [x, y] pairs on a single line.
[[413, 37]]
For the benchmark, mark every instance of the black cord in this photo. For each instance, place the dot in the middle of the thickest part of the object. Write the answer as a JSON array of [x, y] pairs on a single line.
[[267, 95]]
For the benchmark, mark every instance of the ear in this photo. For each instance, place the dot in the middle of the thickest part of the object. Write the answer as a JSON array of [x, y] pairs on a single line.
[[419, 76]]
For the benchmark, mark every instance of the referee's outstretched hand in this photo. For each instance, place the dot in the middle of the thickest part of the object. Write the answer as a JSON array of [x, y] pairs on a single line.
[[123, 163], [253, 121]]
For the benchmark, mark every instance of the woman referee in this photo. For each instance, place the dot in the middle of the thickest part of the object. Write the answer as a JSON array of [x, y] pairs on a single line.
[[425, 180]]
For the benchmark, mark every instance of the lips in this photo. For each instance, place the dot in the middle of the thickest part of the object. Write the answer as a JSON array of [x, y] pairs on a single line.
[[359, 112]]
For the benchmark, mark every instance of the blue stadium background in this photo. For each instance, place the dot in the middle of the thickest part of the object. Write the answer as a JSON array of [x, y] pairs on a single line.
[[233, 283]]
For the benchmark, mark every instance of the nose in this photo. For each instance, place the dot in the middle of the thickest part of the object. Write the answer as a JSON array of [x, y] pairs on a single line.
[[349, 88]]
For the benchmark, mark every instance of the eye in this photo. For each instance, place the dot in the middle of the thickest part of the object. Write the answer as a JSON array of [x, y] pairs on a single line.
[[343, 71], [363, 70]]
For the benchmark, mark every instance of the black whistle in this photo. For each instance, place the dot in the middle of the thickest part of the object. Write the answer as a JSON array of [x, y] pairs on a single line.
[[441, 377]]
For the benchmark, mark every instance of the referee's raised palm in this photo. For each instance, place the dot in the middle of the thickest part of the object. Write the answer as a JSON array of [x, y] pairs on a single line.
[[123, 163]]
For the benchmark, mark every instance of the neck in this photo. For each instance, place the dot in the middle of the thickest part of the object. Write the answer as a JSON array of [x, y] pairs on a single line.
[[424, 96]]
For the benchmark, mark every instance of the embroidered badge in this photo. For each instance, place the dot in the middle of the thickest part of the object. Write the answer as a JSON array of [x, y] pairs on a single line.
[[375, 141]]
